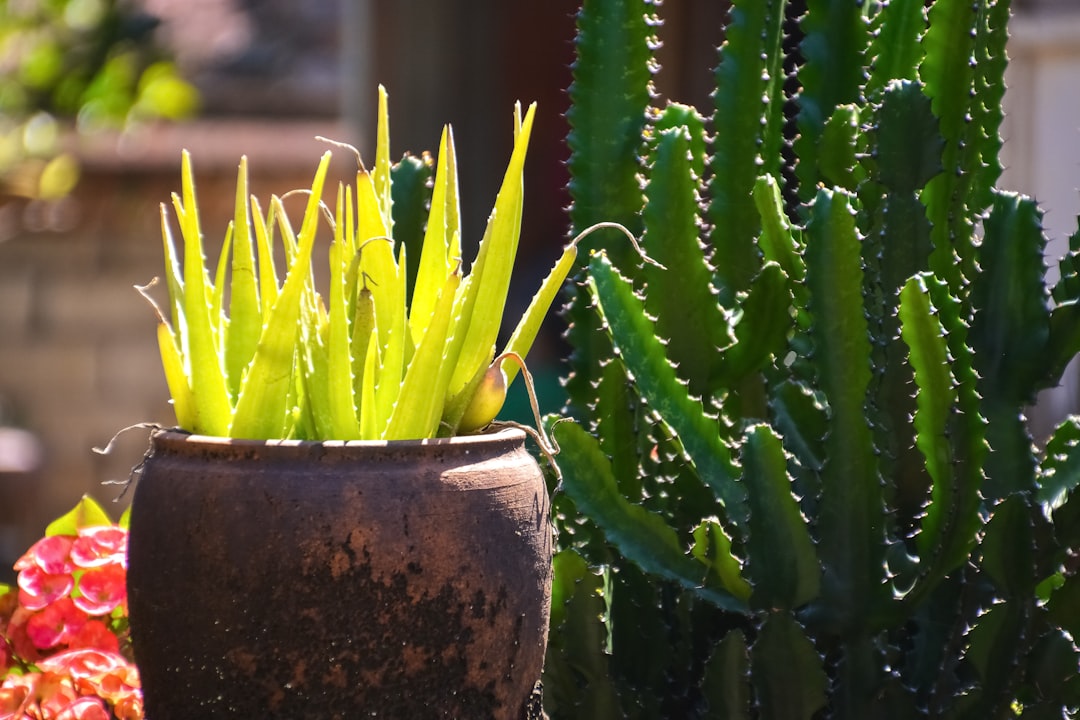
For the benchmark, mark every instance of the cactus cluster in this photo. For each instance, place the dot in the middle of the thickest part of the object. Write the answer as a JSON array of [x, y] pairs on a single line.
[[801, 483]]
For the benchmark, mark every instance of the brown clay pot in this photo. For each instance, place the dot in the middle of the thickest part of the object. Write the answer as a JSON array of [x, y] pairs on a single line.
[[340, 580]]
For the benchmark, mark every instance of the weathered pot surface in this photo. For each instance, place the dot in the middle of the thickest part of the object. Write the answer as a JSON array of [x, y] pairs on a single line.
[[339, 580]]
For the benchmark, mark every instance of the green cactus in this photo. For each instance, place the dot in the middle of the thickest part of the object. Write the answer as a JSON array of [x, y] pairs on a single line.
[[800, 482]]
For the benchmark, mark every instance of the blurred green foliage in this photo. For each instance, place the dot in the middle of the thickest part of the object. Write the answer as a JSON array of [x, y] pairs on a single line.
[[89, 63]]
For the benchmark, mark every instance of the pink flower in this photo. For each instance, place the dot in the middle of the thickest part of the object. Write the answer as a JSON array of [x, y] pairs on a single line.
[[56, 624], [55, 692], [62, 628], [100, 674], [17, 696], [52, 554], [102, 589], [100, 545], [37, 588], [85, 708]]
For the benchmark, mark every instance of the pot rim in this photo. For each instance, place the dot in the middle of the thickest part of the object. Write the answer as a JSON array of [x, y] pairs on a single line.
[[502, 435]]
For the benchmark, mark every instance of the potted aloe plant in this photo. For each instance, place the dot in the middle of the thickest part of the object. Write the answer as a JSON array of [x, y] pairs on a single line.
[[325, 533]]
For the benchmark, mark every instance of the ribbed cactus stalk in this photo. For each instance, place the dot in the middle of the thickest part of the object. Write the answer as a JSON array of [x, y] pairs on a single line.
[[800, 484]]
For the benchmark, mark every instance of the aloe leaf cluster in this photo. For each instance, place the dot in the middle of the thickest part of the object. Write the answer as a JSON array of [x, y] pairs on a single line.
[[395, 348], [800, 483]]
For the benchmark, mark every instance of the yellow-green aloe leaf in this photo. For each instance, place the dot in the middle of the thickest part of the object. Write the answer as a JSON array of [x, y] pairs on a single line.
[[87, 513], [377, 258], [245, 316], [363, 330], [261, 408], [210, 394], [456, 403], [173, 279], [299, 423], [394, 356], [423, 390], [382, 162], [407, 339], [443, 226], [314, 356], [524, 335], [369, 420], [217, 292], [288, 235], [175, 377], [344, 423], [455, 246], [352, 259], [264, 240], [493, 267]]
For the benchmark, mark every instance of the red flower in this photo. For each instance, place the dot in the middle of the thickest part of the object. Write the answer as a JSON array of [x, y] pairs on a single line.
[[56, 624], [102, 589], [100, 545], [95, 635], [21, 644]]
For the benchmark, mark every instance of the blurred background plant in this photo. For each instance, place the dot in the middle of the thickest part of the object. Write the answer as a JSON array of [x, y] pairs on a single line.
[[90, 64]]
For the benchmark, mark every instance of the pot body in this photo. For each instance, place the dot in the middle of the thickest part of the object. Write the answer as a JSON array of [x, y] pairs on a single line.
[[338, 580]]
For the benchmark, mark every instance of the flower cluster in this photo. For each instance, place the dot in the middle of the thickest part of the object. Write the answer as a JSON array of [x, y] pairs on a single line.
[[64, 650]]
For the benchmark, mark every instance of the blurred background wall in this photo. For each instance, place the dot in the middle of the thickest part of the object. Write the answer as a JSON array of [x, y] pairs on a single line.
[[78, 356]]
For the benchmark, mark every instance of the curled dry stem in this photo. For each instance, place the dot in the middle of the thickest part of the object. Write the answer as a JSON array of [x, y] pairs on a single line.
[[621, 228], [547, 444], [322, 205], [344, 146], [144, 290]]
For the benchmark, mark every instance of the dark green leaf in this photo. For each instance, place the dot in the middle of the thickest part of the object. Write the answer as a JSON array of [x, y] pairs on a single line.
[[1008, 549], [679, 295], [608, 98], [894, 47], [1059, 472], [747, 126], [851, 511], [762, 330], [726, 684], [838, 148], [635, 337], [787, 672], [642, 537], [576, 678], [783, 564], [908, 143], [1011, 325], [801, 417], [835, 36], [411, 194]]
